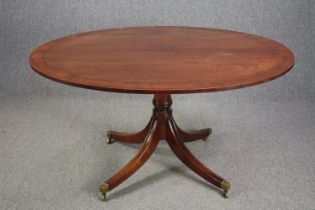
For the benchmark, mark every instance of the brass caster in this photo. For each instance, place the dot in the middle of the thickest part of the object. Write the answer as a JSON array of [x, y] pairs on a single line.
[[225, 185], [104, 188], [104, 196], [225, 195], [109, 138], [210, 132]]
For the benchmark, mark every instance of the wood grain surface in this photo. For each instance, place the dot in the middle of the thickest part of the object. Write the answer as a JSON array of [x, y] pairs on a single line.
[[162, 60]]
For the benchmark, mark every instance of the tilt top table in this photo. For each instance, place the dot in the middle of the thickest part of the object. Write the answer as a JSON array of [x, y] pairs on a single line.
[[162, 60]]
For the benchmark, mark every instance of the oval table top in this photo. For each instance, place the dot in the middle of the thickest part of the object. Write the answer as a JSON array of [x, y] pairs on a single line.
[[162, 59]]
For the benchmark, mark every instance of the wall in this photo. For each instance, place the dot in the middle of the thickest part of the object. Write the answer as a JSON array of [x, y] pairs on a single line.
[[26, 24]]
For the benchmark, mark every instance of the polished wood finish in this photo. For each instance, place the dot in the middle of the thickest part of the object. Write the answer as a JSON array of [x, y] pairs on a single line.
[[162, 60], [162, 126], [193, 135], [181, 151], [148, 147], [134, 138]]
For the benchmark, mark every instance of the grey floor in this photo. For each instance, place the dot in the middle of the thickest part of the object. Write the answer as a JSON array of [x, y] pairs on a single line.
[[53, 154]]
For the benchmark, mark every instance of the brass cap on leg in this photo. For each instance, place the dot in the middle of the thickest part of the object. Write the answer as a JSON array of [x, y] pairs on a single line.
[[225, 185], [104, 188], [109, 137], [210, 131]]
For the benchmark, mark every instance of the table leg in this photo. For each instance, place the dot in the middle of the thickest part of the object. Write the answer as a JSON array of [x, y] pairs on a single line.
[[134, 138], [202, 134], [181, 151], [150, 143], [162, 126], [138, 137]]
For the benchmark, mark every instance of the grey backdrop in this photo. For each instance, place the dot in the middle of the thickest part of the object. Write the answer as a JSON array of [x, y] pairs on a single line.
[[52, 149]]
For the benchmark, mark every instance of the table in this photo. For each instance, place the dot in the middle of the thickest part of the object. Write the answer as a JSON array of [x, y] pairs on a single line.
[[162, 60]]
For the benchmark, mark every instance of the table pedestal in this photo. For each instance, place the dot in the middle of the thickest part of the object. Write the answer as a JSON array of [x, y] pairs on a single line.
[[162, 126]]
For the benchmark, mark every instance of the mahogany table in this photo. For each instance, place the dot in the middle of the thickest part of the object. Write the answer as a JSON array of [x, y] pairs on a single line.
[[162, 61]]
